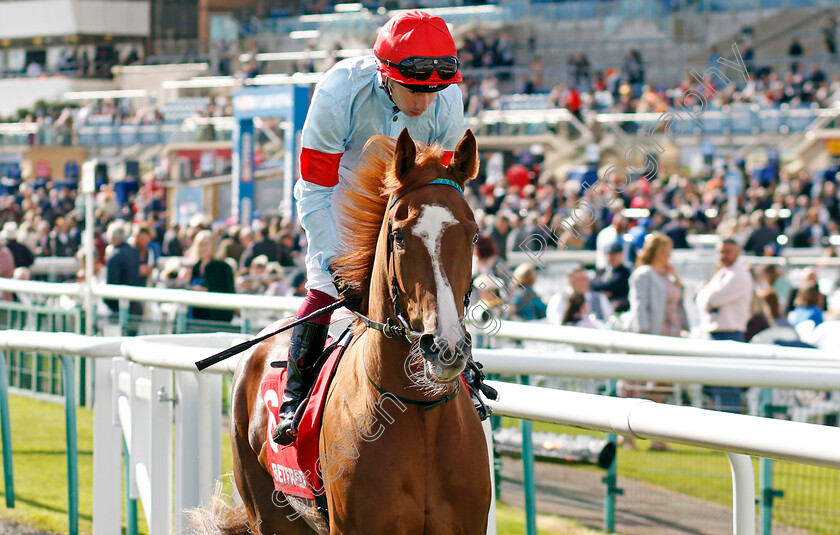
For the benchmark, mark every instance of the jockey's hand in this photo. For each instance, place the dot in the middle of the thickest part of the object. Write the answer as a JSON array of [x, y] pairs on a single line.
[[351, 298]]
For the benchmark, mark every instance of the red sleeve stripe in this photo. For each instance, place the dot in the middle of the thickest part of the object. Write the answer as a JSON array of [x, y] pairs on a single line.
[[447, 157], [319, 167]]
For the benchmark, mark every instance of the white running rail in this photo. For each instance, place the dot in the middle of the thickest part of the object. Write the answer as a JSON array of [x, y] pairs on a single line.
[[149, 382]]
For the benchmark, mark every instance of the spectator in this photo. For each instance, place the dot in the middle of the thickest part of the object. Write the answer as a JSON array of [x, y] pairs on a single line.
[[23, 274], [490, 304], [578, 282], [809, 278], [780, 329], [143, 241], [577, 312], [607, 238], [527, 305], [810, 232], [287, 250], [22, 254], [830, 36], [656, 293], [261, 245], [60, 241], [770, 277], [714, 56], [123, 266], [762, 238], [7, 269], [172, 245], [265, 246], [246, 238], [614, 280], [297, 283], [209, 275], [677, 230], [807, 306], [231, 247], [795, 52], [656, 307], [486, 257], [256, 281], [499, 233], [724, 303]]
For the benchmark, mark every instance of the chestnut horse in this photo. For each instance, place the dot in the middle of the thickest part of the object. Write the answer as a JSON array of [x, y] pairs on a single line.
[[402, 449]]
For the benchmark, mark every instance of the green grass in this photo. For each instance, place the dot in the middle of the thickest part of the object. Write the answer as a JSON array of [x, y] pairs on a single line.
[[811, 501], [39, 451], [511, 521]]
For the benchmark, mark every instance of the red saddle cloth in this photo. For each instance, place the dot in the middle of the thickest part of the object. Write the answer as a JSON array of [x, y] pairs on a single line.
[[293, 467]]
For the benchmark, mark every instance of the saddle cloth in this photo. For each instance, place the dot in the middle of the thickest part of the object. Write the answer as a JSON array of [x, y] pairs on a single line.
[[293, 467]]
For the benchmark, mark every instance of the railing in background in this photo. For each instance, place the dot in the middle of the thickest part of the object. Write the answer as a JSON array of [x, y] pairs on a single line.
[[706, 362], [605, 340], [137, 407]]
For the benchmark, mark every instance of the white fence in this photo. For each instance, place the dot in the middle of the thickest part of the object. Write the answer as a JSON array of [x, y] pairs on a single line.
[[151, 384]]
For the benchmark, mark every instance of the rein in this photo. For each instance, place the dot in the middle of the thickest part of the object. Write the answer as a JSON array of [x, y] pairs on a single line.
[[400, 328]]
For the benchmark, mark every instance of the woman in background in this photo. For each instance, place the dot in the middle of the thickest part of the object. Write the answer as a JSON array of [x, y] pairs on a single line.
[[656, 307], [527, 305], [656, 293], [209, 275]]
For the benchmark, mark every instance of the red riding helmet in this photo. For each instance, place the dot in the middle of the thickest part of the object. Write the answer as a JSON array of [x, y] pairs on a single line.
[[416, 49]]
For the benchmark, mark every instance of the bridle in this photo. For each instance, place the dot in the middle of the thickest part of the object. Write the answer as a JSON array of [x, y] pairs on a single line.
[[398, 326]]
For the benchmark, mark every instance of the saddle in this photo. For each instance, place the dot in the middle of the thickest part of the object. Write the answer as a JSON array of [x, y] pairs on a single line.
[[294, 468]]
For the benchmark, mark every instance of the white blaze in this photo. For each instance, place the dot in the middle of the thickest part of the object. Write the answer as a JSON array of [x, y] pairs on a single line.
[[429, 228]]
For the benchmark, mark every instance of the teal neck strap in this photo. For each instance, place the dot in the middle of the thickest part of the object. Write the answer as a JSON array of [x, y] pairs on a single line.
[[444, 181]]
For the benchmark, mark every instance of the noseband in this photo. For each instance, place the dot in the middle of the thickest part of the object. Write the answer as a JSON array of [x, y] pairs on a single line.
[[398, 326]]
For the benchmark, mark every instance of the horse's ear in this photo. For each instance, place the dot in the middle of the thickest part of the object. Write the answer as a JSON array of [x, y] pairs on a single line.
[[405, 154], [464, 164]]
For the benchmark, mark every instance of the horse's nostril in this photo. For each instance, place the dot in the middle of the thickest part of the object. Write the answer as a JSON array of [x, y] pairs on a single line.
[[428, 346]]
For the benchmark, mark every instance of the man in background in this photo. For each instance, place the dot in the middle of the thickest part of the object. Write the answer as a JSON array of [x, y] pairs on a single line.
[[724, 304]]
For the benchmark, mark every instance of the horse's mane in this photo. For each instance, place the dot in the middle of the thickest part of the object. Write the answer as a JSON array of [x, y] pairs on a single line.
[[366, 202]]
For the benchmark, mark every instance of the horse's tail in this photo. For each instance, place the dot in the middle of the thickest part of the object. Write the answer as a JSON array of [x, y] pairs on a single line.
[[220, 516]]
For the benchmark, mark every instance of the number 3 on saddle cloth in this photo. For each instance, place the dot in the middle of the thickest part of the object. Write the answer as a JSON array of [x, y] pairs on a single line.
[[293, 467]]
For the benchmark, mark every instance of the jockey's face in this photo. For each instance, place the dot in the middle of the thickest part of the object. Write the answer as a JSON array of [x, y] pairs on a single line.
[[411, 103]]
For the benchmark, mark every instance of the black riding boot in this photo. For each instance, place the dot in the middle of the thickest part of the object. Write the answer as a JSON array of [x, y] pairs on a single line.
[[474, 377], [306, 344]]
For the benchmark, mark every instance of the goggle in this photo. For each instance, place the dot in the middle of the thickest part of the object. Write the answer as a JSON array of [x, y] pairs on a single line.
[[421, 68]]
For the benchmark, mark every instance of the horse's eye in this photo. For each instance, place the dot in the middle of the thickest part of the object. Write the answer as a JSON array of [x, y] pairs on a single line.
[[398, 238], [475, 238]]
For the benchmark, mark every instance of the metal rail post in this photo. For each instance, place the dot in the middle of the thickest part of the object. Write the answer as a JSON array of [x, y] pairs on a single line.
[[528, 480], [765, 478], [6, 429], [611, 490], [72, 449]]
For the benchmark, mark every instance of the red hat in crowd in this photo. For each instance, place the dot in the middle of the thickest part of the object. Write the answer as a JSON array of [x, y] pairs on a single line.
[[416, 49]]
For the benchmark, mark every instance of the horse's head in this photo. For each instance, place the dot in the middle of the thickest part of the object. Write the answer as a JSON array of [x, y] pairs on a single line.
[[430, 234]]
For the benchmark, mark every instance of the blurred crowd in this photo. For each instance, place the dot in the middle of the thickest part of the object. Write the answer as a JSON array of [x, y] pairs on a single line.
[[133, 245], [623, 88]]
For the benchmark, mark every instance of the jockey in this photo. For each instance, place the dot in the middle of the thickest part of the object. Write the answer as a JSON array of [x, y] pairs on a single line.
[[409, 82]]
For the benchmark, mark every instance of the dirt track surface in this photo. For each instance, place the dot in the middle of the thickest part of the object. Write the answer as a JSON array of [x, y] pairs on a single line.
[[643, 509]]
